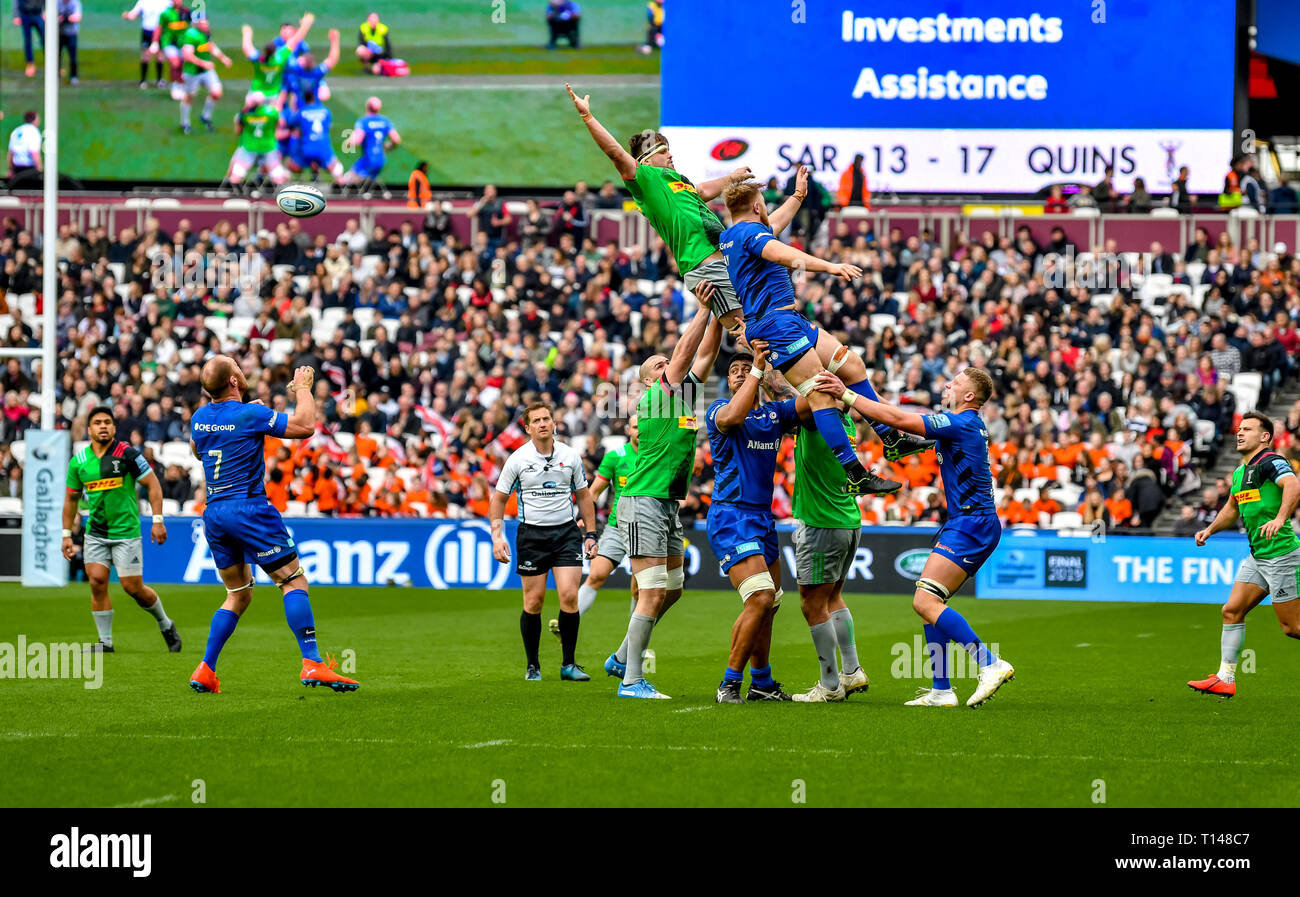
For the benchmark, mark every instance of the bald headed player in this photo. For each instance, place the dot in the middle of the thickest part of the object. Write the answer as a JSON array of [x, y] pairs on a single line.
[[375, 135], [241, 525]]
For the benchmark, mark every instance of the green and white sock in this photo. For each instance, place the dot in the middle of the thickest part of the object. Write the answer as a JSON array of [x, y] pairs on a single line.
[[638, 636], [185, 115], [823, 636], [104, 623], [156, 609], [1230, 650], [843, 621]]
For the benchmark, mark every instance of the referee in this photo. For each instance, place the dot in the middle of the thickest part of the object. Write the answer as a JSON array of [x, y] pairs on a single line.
[[547, 474]]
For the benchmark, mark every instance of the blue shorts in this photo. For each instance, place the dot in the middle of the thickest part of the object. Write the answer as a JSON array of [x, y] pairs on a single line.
[[737, 532], [246, 530], [368, 167], [306, 156], [968, 539], [788, 334]]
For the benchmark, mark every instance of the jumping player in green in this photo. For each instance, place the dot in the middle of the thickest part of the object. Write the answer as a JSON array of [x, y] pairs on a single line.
[[106, 471], [270, 62], [1265, 492], [648, 508], [677, 209]]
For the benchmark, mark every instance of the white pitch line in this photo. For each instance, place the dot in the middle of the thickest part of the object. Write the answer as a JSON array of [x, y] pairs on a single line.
[[702, 748], [147, 802], [693, 709]]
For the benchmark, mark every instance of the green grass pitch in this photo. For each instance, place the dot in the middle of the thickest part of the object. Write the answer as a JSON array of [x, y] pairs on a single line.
[[444, 716]]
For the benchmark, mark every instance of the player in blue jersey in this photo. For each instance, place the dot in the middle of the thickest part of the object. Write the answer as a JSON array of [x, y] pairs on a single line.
[[745, 437], [241, 525], [304, 75], [971, 533], [375, 135], [758, 265], [307, 129]]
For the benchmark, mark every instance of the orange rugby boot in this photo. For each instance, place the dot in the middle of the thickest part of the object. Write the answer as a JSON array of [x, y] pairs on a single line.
[[204, 680], [1214, 686], [321, 672]]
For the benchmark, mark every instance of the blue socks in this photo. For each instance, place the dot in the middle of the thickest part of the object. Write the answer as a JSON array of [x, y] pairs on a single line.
[[761, 676], [937, 646], [223, 627], [297, 611], [832, 430], [953, 625], [733, 675], [866, 390]]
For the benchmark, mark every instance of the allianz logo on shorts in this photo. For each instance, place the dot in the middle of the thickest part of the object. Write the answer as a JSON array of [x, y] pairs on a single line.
[[270, 551]]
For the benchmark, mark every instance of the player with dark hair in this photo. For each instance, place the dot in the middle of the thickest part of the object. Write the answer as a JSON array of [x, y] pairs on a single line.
[[107, 471], [550, 479], [968, 538], [676, 208], [745, 437], [1265, 492], [241, 526]]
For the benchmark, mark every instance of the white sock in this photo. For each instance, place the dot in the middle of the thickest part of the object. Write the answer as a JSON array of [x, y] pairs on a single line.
[[586, 598], [104, 623], [207, 109], [1230, 650], [159, 614], [185, 115]]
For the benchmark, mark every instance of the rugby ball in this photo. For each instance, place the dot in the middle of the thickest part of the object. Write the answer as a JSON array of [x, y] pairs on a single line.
[[300, 200]]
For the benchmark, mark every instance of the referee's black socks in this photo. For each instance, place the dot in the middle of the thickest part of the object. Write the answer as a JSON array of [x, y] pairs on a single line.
[[569, 634], [530, 626]]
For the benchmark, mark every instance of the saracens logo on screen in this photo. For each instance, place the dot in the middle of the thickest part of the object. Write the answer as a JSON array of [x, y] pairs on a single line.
[[731, 148]]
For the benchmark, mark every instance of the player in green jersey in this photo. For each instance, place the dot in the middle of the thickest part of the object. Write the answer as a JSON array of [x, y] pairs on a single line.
[[256, 126], [648, 508], [677, 209], [200, 52], [1265, 492], [106, 471], [612, 474], [172, 23], [269, 63]]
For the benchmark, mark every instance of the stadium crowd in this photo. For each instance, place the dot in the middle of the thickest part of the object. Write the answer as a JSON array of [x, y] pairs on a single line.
[[426, 349]]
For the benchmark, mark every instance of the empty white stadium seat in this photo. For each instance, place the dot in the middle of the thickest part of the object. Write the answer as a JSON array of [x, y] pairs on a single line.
[[10, 505], [295, 509], [19, 449], [1067, 519], [171, 506], [879, 322]]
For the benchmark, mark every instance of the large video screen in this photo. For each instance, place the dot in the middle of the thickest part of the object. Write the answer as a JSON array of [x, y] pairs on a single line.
[[980, 96]]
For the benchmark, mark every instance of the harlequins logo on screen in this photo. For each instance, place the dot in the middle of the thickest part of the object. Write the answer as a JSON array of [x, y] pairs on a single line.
[[731, 148]]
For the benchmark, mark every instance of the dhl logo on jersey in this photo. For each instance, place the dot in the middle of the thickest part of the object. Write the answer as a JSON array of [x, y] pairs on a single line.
[[688, 423], [679, 186], [104, 485], [1246, 496]]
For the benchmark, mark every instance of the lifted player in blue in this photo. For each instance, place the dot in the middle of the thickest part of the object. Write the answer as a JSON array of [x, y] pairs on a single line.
[[241, 525], [971, 533]]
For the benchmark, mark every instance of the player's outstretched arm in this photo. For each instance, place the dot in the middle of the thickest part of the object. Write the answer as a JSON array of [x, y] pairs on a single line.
[[303, 27], [622, 159], [394, 138], [711, 190], [707, 355], [1225, 519], [302, 421], [882, 412], [780, 219], [688, 345], [733, 414], [247, 43], [333, 58], [776, 251]]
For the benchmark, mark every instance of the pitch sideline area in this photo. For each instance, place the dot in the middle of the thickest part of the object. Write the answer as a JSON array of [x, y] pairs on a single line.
[[1098, 708]]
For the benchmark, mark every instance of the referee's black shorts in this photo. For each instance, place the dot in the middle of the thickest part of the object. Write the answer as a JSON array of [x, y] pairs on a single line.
[[540, 548]]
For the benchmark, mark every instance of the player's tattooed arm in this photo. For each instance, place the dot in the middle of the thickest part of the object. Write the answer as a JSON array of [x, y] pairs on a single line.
[[780, 218], [622, 159], [778, 389]]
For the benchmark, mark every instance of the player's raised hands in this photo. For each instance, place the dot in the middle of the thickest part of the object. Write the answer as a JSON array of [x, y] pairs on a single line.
[[302, 379], [740, 175], [830, 384], [801, 182], [582, 105], [759, 347], [704, 293]]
